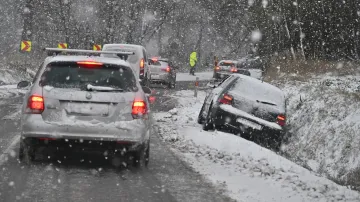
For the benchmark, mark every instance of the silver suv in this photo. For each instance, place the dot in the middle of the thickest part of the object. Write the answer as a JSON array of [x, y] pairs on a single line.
[[86, 103]]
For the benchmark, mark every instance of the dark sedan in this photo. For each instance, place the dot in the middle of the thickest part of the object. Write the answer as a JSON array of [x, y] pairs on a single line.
[[248, 106]]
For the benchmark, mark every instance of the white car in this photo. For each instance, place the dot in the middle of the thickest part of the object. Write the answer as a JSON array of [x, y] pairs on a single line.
[[139, 61]]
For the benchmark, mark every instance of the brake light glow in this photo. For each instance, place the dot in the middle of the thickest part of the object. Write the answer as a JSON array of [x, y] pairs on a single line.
[[217, 68], [281, 120], [226, 99], [142, 63], [90, 64], [233, 69], [139, 108], [155, 59], [167, 69], [35, 104]]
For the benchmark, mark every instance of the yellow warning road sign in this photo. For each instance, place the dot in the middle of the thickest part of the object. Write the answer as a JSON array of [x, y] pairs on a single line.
[[63, 45], [25, 46], [97, 47]]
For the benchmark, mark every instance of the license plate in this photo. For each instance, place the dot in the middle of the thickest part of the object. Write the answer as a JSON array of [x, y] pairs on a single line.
[[155, 76], [249, 123]]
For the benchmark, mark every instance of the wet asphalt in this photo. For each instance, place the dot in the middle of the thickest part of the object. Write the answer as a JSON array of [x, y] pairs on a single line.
[[92, 177]]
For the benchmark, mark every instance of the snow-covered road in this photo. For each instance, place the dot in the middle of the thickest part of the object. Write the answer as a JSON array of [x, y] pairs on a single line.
[[247, 171]]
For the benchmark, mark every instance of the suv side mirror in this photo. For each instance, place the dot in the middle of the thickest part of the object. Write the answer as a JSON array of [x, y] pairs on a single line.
[[23, 84]]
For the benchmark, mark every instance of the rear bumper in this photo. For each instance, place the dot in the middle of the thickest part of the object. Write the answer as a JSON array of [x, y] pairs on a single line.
[[33, 126], [161, 77], [221, 75], [229, 120]]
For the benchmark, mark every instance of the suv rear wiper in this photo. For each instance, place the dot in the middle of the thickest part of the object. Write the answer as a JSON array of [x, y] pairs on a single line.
[[90, 87], [265, 102]]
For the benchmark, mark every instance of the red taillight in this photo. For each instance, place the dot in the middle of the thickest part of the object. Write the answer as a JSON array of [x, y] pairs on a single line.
[[217, 68], [167, 69], [90, 64], [226, 99], [142, 63], [233, 69], [281, 120], [35, 104], [139, 108], [155, 59]]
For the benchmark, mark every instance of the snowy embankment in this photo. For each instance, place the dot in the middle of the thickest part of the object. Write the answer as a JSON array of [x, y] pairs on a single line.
[[245, 170], [324, 115]]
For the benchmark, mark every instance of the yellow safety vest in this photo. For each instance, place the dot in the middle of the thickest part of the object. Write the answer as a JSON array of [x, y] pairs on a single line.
[[193, 59]]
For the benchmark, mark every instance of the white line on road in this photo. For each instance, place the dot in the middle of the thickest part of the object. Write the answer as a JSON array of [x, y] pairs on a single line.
[[5, 155]]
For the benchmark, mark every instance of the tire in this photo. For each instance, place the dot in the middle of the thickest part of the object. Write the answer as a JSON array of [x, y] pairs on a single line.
[[208, 124], [26, 152], [200, 119], [142, 157], [172, 84]]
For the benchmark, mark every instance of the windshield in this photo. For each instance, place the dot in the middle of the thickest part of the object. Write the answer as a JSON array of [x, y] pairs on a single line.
[[74, 76]]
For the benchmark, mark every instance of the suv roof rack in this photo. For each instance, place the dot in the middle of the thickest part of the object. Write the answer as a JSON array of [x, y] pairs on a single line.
[[57, 51]]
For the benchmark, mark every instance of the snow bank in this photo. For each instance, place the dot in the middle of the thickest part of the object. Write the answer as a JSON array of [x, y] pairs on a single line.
[[324, 115], [248, 171]]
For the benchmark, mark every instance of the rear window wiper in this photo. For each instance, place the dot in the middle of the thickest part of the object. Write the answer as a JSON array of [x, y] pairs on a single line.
[[90, 87], [264, 102]]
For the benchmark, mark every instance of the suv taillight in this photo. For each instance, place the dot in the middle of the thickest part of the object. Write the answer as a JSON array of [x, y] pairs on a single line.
[[281, 120], [139, 109], [226, 99], [217, 68], [35, 104], [142, 66]]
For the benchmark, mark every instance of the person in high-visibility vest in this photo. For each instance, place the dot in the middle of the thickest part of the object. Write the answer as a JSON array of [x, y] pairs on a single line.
[[193, 62]]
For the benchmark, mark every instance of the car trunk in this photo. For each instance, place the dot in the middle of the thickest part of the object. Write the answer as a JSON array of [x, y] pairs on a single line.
[[264, 111], [64, 105]]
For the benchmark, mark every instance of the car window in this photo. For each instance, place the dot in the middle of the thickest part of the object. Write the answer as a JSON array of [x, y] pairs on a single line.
[[65, 75], [226, 63], [155, 63], [256, 91]]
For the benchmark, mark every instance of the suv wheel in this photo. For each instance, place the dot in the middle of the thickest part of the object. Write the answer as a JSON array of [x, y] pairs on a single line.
[[142, 157], [26, 152]]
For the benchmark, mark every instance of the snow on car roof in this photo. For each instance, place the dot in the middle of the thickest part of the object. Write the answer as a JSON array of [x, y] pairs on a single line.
[[72, 58], [124, 45], [255, 89]]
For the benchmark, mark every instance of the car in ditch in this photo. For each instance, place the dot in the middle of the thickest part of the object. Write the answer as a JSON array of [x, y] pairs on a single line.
[[86, 103], [246, 106]]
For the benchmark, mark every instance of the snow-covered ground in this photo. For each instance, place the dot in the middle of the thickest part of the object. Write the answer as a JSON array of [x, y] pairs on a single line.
[[247, 171], [187, 77], [324, 115]]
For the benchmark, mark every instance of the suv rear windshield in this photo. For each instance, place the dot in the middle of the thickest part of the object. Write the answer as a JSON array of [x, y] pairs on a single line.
[[71, 75]]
